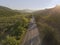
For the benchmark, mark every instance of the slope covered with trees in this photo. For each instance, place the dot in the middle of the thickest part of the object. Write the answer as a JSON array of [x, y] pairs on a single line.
[[13, 26], [48, 22]]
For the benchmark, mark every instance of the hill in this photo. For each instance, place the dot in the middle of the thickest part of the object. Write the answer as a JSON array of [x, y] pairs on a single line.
[[5, 11], [50, 11], [13, 26], [48, 22]]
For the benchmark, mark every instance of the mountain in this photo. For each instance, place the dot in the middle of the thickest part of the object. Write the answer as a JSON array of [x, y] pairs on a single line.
[[5, 11], [48, 22], [55, 10], [24, 11], [50, 16]]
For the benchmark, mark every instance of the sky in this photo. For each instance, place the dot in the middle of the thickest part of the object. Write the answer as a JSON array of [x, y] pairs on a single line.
[[29, 4]]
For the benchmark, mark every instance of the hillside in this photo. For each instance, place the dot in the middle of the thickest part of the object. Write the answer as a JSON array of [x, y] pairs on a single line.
[[48, 22], [13, 26], [5, 11], [50, 11]]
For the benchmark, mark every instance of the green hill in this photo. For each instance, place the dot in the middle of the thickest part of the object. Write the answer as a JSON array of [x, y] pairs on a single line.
[[48, 22], [13, 26], [5, 11]]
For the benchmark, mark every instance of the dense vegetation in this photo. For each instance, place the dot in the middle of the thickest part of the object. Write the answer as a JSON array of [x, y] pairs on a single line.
[[13, 26], [48, 22]]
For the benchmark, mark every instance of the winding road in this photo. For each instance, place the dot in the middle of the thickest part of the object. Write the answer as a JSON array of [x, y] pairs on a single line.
[[32, 35]]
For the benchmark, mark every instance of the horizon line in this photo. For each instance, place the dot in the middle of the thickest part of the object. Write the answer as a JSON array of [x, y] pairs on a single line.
[[29, 8]]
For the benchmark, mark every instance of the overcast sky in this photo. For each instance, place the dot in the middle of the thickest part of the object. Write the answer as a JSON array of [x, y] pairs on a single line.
[[29, 4]]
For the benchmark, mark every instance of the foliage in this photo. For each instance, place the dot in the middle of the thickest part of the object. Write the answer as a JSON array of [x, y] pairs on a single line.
[[10, 41], [12, 26], [48, 20]]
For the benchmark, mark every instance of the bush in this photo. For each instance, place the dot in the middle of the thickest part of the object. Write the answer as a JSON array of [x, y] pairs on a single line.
[[10, 41]]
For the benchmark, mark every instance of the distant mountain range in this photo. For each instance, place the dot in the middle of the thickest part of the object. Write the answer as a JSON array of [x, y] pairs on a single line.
[[8, 11], [25, 11]]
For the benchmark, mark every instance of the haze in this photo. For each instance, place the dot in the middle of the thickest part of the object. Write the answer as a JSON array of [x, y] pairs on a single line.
[[29, 4]]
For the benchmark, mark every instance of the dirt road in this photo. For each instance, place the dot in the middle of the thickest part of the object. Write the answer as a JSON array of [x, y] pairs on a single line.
[[32, 35]]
